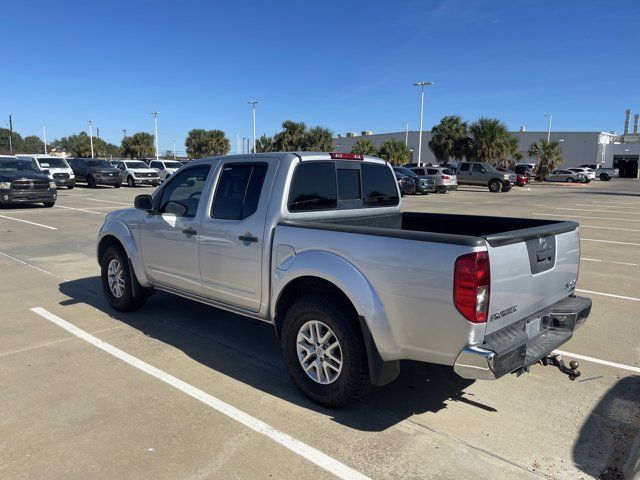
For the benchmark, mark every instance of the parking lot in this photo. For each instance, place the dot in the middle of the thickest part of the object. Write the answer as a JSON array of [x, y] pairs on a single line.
[[183, 390]]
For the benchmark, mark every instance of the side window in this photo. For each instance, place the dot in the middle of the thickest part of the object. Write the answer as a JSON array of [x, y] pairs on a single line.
[[464, 167], [379, 186], [313, 187], [121, 166], [478, 168], [348, 184], [432, 171], [238, 191], [184, 190]]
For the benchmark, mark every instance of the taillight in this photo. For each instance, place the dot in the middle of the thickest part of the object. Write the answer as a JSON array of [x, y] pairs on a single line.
[[445, 177], [471, 281]]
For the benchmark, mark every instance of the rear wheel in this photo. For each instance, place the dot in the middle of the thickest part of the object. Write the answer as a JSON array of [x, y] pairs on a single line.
[[495, 186], [324, 351], [605, 177], [116, 281], [569, 180], [91, 182]]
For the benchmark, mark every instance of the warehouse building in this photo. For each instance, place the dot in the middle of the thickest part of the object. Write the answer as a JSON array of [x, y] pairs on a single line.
[[578, 148]]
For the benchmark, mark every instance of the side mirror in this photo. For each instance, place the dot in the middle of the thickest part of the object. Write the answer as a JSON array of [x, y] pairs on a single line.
[[143, 202]]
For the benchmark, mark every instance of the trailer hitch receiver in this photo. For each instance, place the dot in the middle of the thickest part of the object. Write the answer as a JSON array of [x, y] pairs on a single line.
[[557, 361]]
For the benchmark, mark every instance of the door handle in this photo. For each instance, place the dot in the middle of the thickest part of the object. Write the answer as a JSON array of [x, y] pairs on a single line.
[[247, 237], [189, 231]]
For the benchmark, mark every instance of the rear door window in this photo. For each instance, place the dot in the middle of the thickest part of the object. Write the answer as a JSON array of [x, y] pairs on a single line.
[[478, 168], [238, 191], [313, 187], [464, 167]]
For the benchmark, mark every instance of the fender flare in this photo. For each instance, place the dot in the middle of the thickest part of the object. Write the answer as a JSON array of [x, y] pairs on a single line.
[[119, 231]]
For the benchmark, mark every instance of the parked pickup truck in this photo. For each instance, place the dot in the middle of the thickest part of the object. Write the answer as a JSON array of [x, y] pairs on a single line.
[[604, 174], [472, 173], [317, 245]]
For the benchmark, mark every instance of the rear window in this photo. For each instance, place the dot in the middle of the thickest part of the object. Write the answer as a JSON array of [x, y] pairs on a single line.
[[313, 187], [348, 184], [447, 171], [378, 187]]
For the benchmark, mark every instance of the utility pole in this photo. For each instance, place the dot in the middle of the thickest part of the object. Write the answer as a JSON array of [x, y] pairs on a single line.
[[243, 139], [549, 116], [97, 133], [124, 133], [253, 107], [406, 135], [10, 135], [174, 149], [155, 123], [421, 85], [44, 135], [91, 136]]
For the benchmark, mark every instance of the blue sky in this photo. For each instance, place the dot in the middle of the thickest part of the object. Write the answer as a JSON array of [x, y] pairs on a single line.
[[346, 65]]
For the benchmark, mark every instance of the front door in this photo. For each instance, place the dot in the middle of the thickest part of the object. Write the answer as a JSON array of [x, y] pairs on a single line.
[[232, 234], [169, 238]]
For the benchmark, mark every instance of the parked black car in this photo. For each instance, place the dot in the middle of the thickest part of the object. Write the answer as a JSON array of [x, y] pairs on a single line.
[[406, 184], [20, 182], [424, 184], [95, 172]]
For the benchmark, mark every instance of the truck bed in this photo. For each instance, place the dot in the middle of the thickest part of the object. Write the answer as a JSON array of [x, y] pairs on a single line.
[[446, 228]]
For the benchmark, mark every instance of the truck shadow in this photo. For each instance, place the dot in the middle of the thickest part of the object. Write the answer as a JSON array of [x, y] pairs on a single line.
[[248, 351], [608, 445]]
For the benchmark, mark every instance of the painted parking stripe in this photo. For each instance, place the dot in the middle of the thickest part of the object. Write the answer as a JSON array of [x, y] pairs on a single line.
[[608, 241], [615, 205], [611, 228], [609, 261], [320, 459], [591, 210], [30, 223], [570, 215], [31, 265], [621, 366], [79, 210], [622, 297]]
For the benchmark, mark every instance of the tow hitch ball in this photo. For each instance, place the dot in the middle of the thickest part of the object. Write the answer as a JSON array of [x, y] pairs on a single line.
[[556, 360]]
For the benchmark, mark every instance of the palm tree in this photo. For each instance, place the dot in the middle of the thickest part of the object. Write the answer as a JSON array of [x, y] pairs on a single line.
[[291, 138], [489, 141], [394, 151], [449, 139], [206, 143], [264, 144], [547, 154], [317, 139], [364, 146]]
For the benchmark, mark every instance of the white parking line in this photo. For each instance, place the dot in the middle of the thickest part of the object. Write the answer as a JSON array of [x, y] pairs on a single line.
[[614, 205], [320, 459], [621, 366], [584, 216], [611, 228], [608, 261], [110, 201], [27, 264], [591, 210], [30, 223], [79, 210], [609, 241], [633, 299]]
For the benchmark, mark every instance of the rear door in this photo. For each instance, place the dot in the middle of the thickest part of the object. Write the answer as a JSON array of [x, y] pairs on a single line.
[[528, 276], [232, 233], [464, 173]]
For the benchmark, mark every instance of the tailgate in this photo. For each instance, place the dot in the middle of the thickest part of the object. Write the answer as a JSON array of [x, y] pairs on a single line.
[[531, 272]]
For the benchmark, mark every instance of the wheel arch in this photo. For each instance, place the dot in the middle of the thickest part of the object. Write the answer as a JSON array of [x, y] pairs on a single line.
[[115, 232]]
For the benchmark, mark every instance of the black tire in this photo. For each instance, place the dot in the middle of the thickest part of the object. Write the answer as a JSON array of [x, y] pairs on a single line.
[[154, 184], [131, 182], [495, 186], [48, 204], [70, 187], [91, 182], [605, 177], [441, 190], [126, 302], [569, 180], [353, 380], [506, 189], [117, 185]]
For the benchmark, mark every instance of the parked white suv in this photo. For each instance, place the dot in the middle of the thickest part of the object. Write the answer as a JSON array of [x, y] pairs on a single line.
[[165, 168], [587, 172], [136, 172], [56, 168]]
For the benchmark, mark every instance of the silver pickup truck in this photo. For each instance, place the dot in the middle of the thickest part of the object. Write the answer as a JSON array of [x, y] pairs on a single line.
[[317, 245]]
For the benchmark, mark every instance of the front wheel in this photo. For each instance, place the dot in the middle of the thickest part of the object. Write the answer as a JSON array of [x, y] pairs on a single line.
[[324, 351], [91, 183], [116, 281], [70, 187], [131, 182], [117, 185], [495, 186], [569, 180]]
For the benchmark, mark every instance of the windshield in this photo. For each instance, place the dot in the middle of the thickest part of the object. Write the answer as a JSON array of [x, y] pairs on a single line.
[[98, 163], [446, 171], [172, 164], [52, 163], [136, 165], [11, 165]]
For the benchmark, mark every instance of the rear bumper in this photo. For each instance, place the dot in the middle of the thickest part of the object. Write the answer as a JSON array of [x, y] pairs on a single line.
[[513, 348]]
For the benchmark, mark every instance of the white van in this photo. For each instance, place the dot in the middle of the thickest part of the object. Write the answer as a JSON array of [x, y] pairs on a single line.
[[56, 167]]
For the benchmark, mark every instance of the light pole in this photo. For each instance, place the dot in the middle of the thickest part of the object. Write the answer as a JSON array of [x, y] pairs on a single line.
[[124, 133], [91, 136], [406, 134], [174, 149], [155, 124], [253, 107], [44, 135], [421, 85], [549, 116]]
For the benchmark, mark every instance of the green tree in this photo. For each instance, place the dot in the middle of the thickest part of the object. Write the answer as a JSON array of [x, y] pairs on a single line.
[[318, 139], [364, 146], [265, 144], [291, 138], [206, 143], [394, 151], [168, 154], [140, 145], [489, 141], [16, 141], [32, 144], [79, 145], [450, 139], [547, 154]]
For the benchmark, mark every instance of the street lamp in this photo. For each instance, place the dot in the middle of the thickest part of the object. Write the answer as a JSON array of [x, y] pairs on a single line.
[[155, 124], [44, 135], [421, 85], [91, 136], [549, 116], [253, 107], [406, 134]]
